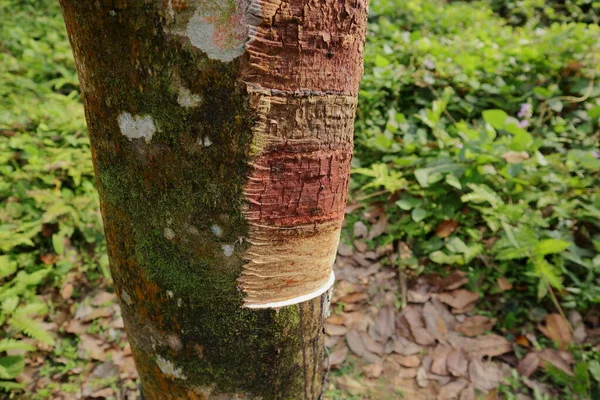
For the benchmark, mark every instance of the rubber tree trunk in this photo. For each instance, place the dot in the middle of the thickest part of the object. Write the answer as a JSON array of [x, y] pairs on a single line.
[[221, 132]]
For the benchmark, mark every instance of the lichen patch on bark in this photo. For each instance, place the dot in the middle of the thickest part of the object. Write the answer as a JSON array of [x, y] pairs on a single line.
[[219, 29], [168, 368], [137, 126]]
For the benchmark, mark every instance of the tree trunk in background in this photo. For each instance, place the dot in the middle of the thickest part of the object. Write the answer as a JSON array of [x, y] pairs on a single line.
[[222, 139]]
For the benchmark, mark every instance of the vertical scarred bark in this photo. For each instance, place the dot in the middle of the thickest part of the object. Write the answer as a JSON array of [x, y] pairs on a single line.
[[222, 139]]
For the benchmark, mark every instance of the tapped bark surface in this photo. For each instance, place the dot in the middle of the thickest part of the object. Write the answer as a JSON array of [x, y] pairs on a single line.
[[221, 133]]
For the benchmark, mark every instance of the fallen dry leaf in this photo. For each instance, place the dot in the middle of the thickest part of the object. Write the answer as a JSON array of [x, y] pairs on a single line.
[[371, 357], [103, 298], [98, 313], [49, 258], [445, 228], [414, 318], [554, 357], [528, 364], [355, 342], [439, 359], [335, 330], [459, 299], [504, 284], [414, 296], [408, 361], [371, 345], [475, 325], [491, 346], [345, 250], [76, 327], [372, 371], [405, 347], [422, 379], [354, 297], [336, 319], [407, 373], [487, 376], [540, 387], [451, 390], [356, 320], [515, 157], [468, 393], [67, 291], [351, 385], [457, 363], [435, 322], [360, 230], [557, 329], [331, 341], [386, 323], [360, 246], [449, 319], [379, 227], [102, 393], [522, 341], [466, 310], [455, 280], [337, 357], [579, 332], [90, 347]]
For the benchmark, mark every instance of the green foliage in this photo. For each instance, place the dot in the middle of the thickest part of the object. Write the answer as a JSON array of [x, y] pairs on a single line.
[[541, 11], [49, 220], [494, 128]]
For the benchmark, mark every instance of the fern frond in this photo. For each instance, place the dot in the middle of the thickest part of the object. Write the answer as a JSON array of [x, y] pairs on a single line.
[[31, 328], [13, 344], [11, 366], [32, 309], [481, 194], [7, 266], [9, 305], [10, 385]]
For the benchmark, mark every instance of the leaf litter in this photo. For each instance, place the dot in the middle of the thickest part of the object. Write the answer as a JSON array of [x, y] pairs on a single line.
[[436, 347]]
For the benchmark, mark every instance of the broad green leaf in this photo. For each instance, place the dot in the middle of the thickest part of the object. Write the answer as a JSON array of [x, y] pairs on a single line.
[[381, 61], [418, 214], [58, 243], [455, 245], [7, 266], [453, 181], [408, 202], [594, 113], [595, 369], [422, 175], [495, 118], [439, 257]]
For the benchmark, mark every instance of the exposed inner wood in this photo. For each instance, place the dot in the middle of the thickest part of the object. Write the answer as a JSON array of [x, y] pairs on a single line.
[[296, 194]]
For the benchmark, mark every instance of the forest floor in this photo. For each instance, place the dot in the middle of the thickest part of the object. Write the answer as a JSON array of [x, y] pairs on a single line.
[[470, 257], [394, 335]]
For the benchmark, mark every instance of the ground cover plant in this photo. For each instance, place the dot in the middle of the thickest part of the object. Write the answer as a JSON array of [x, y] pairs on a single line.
[[477, 150]]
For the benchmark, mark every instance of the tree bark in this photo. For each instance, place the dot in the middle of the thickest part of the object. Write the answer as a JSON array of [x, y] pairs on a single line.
[[221, 133]]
